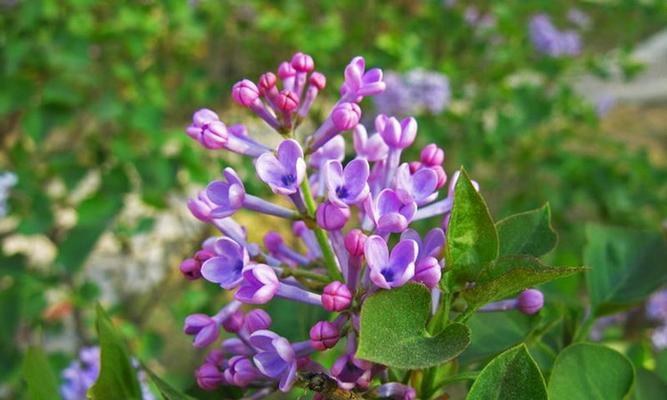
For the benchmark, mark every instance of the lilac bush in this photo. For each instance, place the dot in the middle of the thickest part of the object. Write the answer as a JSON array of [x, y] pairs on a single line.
[[353, 219], [549, 40]]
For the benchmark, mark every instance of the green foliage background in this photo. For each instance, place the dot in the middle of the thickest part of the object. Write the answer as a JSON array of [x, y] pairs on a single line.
[[105, 88]]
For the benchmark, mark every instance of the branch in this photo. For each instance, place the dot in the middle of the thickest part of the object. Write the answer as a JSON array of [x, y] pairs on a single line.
[[326, 386]]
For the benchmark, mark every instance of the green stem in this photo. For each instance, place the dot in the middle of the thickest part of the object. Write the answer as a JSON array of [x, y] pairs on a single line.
[[321, 236], [584, 329], [301, 273]]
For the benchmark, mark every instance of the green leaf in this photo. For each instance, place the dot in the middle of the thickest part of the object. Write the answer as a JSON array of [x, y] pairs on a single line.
[[589, 371], [648, 386], [494, 332], [513, 375], [41, 381], [510, 274], [528, 233], [626, 266], [117, 380], [393, 331], [168, 392], [472, 240]]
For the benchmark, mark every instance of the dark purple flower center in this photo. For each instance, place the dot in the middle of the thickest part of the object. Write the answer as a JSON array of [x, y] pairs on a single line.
[[288, 179], [341, 192], [238, 267], [388, 274]]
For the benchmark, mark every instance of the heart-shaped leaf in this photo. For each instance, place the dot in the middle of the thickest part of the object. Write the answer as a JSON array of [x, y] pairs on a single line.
[[528, 233], [117, 379], [472, 240], [508, 275], [513, 375], [393, 331], [626, 266], [40, 379], [589, 371]]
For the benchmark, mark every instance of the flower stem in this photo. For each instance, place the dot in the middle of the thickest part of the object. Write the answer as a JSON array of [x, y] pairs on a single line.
[[302, 273], [320, 234]]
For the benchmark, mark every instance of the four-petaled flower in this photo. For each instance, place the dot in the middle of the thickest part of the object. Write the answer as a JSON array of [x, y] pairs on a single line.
[[226, 268], [275, 357], [347, 186], [284, 172], [390, 271]]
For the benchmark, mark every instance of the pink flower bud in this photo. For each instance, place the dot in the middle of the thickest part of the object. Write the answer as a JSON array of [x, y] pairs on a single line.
[[287, 101], [414, 166], [203, 117], [303, 62], [267, 82], [234, 322], [442, 176], [331, 217], [191, 269], [245, 93], [336, 297], [203, 255], [428, 272], [432, 155], [285, 70], [318, 80], [324, 335], [256, 320], [209, 377], [273, 241], [346, 116], [530, 301], [216, 357], [354, 242], [214, 136]]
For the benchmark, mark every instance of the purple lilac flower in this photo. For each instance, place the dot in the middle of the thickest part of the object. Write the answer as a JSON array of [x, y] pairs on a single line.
[[390, 270], [82, 373], [226, 269], [275, 357], [392, 211], [418, 91], [284, 172], [372, 148], [656, 310], [547, 39], [579, 18], [347, 186]]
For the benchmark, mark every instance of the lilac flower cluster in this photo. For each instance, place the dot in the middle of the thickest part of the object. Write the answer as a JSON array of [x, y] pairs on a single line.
[[415, 92], [656, 311], [549, 40], [82, 373], [341, 264]]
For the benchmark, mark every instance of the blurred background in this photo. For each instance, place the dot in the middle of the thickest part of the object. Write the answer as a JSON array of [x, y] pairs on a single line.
[[542, 101]]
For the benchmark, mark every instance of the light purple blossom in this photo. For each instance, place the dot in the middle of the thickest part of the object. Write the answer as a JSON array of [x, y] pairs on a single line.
[[347, 186], [284, 172], [359, 82], [372, 148], [226, 269], [392, 211], [275, 358], [415, 92], [547, 39], [390, 270], [421, 184]]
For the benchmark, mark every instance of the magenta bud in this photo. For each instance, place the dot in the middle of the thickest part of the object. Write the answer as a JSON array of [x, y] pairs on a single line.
[[191, 269], [203, 117], [346, 116], [203, 255], [354, 242], [216, 357], [441, 174], [209, 377], [414, 166], [303, 62], [204, 329], [234, 322], [331, 217], [428, 272], [287, 101], [318, 80], [432, 155], [530, 301], [273, 241], [245, 93], [336, 297], [214, 136], [324, 335], [285, 70], [267, 82], [256, 320]]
